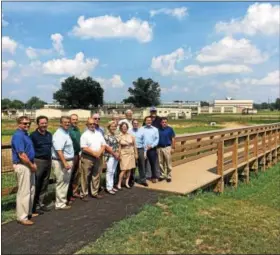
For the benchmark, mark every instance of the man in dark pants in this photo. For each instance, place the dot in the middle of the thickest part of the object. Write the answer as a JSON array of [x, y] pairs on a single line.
[[151, 139], [75, 135], [139, 138], [156, 122], [42, 141]]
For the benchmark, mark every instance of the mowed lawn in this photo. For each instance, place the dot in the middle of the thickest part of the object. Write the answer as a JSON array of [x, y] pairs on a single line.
[[242, 221]]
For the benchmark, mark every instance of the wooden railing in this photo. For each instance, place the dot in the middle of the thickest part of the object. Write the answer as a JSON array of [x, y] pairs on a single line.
[[250, 149], [251, 146]]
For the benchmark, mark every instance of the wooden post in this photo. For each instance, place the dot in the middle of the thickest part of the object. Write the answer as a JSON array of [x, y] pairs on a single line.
[[275, 147], [264, 151], [198, 140], [220, 167], [246, 158], [256, 152], [235, 163], [269, 155]]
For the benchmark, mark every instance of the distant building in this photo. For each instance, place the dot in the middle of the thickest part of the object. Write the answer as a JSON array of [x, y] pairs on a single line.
[[215, 110], [172, 113], [239, 104], [181, 104], [53, 106]]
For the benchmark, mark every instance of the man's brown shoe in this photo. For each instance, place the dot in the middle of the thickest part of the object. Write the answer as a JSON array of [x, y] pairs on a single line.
[[97, 196], [154, 180], [26, 222]]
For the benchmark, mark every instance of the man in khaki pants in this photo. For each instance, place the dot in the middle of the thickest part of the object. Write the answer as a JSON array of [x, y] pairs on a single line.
[[62, 162], [93, 146], [166, 145], [23, 154]]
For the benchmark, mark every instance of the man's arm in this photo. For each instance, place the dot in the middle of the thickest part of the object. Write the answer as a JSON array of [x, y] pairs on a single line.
[[25, 160], [18, 144], [62, 159], [87, 150], [155, 143]]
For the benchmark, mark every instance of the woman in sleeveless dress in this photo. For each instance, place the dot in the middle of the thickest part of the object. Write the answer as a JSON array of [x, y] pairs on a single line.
[[128, 154]]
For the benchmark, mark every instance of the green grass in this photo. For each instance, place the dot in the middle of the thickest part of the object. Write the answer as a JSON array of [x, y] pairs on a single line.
[[244, 221]]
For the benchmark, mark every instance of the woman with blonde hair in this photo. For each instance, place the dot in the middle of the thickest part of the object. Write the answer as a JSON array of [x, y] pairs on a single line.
[[111, 156], [128, 154]]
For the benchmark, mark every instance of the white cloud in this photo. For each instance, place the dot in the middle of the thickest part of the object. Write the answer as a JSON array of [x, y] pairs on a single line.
[[79, 66], [260, 18], [229, 49], [8, 44], [166, 90], [271, 79], [165, 64], [6, 67], [178, 13], [113, 27], [57, 43], [50, 87], [195, 70], [33, 53], [33, 69], [4, 22], [114, 82]]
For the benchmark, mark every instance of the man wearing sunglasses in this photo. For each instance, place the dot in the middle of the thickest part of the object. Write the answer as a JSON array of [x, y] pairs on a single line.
[[62, 162], [23, 155], [96, 119]]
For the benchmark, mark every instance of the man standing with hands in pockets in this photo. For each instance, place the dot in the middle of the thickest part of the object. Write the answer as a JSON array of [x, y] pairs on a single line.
[[62, 162]]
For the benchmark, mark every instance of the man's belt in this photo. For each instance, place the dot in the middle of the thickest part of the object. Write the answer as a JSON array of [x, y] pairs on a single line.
[[164, 146], [67, 159], [43, 157]]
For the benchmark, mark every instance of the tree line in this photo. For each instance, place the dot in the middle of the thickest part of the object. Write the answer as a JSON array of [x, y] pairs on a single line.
[[87, 93]]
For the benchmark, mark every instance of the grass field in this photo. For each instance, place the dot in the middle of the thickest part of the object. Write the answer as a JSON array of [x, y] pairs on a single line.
[[242, 221]]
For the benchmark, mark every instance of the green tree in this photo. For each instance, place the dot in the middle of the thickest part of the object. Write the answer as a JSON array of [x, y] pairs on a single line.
[[79, 93], [35, 103], [146, 92], [5, 103], [204, 103], [277, 104], [17, 104], [264, 105]]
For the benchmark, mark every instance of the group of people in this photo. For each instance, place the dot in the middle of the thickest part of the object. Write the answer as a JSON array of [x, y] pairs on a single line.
[[78, 159]]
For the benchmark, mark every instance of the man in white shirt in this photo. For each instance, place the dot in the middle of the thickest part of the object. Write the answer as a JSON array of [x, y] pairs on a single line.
[[62, 162], [128, 119], [93, 146]]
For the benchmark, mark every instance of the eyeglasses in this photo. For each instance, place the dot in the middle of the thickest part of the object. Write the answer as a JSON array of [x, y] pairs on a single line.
[[96, 118], [26, 123]]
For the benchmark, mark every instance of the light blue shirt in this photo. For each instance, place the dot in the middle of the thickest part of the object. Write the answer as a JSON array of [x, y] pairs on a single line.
[[62, 142], [139, 138], [150, 135]]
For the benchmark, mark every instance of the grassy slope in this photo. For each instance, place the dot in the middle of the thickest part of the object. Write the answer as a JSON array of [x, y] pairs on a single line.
[[243, 221]]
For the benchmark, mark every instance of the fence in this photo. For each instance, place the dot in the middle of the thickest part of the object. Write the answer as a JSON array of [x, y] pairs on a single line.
[[239, 148]]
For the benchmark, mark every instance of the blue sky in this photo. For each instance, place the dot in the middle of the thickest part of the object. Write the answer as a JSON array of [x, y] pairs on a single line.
[[195, 50]]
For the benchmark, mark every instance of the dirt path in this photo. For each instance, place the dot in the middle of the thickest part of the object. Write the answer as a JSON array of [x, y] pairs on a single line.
[[65, 232]]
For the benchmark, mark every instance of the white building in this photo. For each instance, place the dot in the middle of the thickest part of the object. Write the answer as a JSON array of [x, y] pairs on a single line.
[[239, 104], [172, 113]]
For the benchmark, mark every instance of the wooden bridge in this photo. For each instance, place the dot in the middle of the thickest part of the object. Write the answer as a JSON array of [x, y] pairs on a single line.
[[207, 158]]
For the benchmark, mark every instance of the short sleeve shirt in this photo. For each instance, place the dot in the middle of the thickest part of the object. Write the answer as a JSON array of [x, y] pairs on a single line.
[[62, 142], [42, 144], [92, 139], [21, 143], [165, 136]]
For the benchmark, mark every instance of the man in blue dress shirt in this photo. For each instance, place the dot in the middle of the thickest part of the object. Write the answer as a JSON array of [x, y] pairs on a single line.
[[23, 162], [139, 138], [151, 138]]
